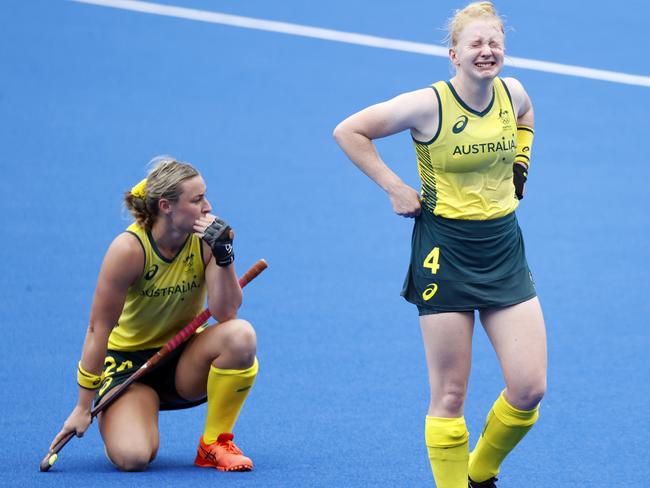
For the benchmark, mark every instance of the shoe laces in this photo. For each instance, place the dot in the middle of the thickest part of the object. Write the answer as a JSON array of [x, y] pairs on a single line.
[[225, 441]]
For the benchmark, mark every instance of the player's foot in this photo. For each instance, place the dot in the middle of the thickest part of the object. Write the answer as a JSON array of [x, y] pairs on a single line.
[[222, 454], [491, 483]]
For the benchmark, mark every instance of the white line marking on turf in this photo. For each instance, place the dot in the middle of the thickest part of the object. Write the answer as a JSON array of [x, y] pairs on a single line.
[[358, 39]]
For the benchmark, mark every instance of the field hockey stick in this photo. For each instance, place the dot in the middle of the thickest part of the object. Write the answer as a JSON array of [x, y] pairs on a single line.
[[172, 344]]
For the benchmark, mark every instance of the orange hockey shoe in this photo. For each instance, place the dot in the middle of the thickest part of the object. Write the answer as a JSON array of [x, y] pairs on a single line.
[[222, 454]]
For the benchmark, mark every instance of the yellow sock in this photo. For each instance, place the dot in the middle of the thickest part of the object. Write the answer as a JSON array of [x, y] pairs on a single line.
[[448, 445], [504, 427], [227, 391]]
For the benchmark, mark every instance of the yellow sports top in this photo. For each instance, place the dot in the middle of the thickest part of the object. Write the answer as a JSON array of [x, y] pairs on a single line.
[[164, 299], [466, 169]]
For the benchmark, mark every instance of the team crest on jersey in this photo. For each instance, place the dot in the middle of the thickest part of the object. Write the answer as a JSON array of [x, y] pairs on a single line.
[[189, 263], [504, 116]]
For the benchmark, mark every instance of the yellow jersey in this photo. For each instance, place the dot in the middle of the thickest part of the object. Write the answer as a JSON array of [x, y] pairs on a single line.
[[466, 169], [164, 299]]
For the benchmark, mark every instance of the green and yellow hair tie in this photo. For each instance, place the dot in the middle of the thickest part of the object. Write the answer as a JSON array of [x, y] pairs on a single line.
[[138, 190]]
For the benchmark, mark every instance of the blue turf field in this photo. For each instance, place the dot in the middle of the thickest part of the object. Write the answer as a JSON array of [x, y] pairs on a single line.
[[89, 94]]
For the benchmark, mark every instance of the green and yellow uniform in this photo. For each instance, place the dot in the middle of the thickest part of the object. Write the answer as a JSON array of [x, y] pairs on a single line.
[[466, 169], [166, 297], [467, 254], [467, 249]]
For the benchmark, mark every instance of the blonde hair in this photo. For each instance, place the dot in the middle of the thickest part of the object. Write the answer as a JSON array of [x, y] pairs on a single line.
[[473, 11], [163, 181]]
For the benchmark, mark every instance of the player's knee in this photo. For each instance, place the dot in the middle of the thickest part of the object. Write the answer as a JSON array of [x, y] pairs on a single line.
[[131, 458], [528, 396], [131, 461], [534, 394], [453, 401], [450, 404], [241, 343]]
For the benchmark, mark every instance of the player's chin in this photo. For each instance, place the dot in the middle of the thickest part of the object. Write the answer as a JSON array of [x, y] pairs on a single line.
[[191, 229]]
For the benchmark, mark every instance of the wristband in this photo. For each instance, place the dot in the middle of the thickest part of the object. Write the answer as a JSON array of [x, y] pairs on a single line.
[[87, 380], [524, 144], [224, 255]]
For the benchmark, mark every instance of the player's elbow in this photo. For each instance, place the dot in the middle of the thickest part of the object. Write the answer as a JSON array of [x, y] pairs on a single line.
[[337, 134], [342, 132], [224, 312]]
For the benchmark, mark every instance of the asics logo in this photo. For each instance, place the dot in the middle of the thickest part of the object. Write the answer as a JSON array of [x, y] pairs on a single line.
[[208, 454], [151, 273], [430, 291], [460, 124]]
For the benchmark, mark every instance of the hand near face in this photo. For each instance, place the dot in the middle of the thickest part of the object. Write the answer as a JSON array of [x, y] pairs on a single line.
[[202, 223], [219, 236]]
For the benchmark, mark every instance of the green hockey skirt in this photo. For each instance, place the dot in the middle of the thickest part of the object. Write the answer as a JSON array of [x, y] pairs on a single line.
[[466, 265]]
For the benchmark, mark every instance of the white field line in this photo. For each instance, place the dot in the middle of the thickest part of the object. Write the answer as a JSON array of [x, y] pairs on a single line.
[[358, 39]]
